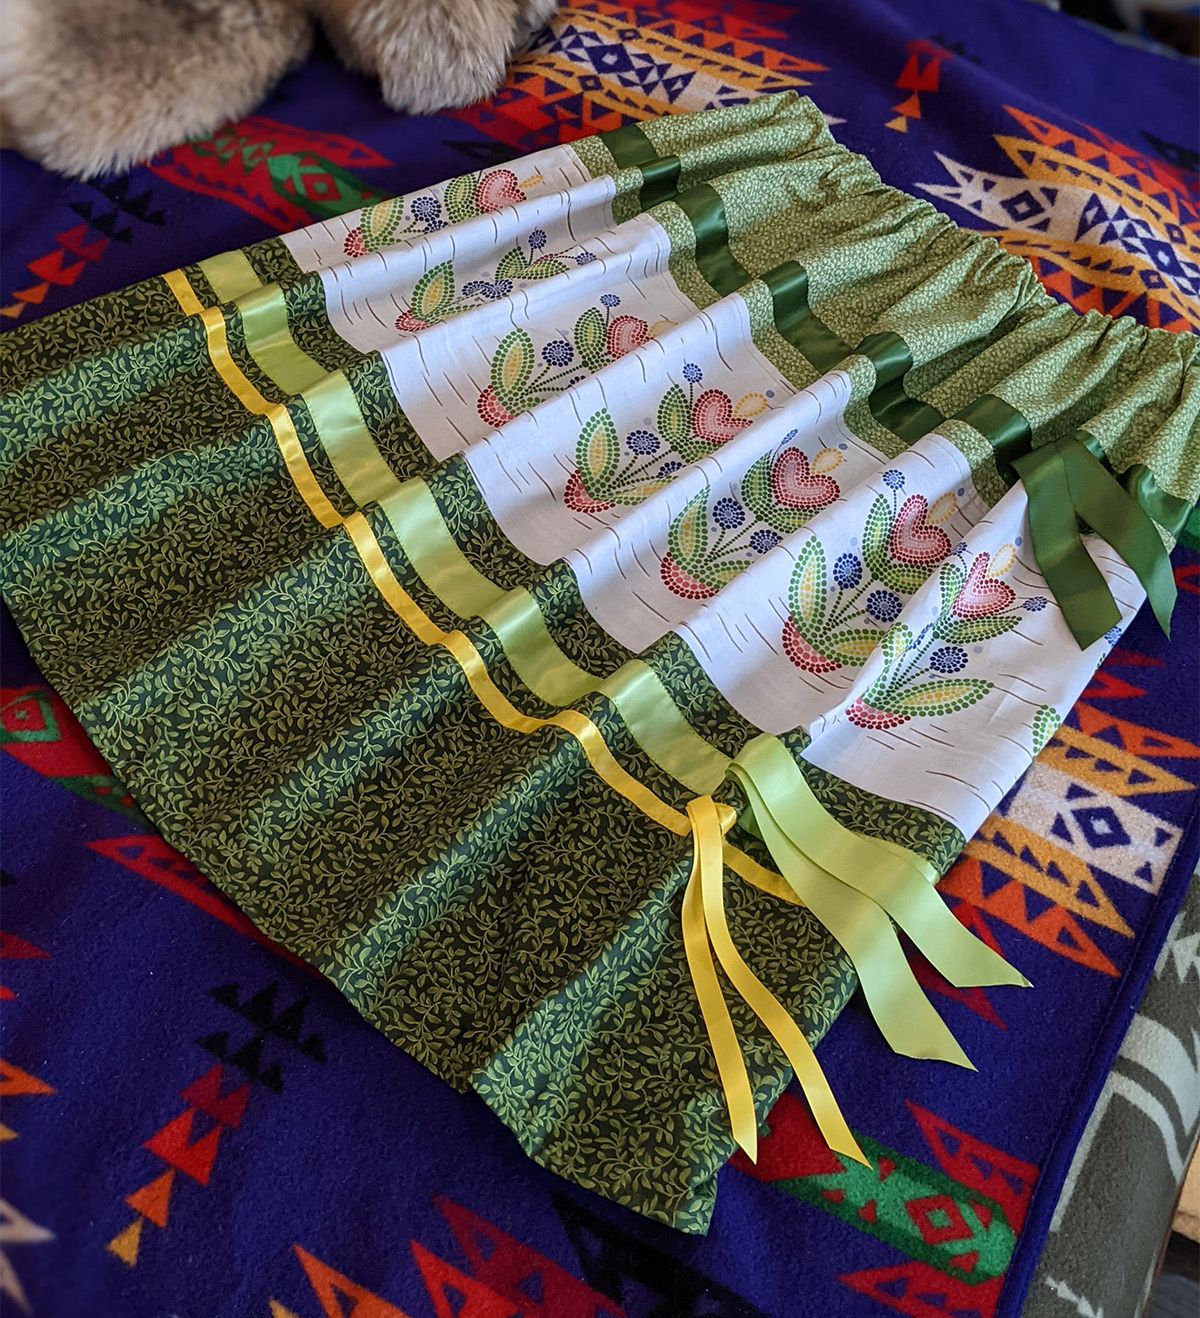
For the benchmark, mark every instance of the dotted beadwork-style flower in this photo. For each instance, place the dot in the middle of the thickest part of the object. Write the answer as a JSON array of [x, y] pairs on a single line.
[[1035, 604], [847, 571], [949, 659], [670, 467], [692, 373], [610, 299], [884, 605], [893, 479], [585, 258], [643, 442], [728, 513], [558, 352], [537, 239], [426, 208], [764, 540]]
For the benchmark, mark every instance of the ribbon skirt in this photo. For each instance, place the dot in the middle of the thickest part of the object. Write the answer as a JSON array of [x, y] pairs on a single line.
[[583, 607]]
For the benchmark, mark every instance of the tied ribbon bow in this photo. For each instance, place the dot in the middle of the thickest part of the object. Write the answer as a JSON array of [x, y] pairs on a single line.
[[861, 889], [1067, 484]]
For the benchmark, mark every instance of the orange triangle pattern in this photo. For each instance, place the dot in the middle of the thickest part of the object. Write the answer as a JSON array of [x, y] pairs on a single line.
[[1054, 928], [14, 1082], [153, 1200], [340, 1297], [1051, 870]]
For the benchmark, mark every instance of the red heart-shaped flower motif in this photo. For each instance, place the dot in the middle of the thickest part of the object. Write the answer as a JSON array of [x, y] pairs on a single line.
[[492, 410], [867, 716], [624, 334], [795, 485], [912, 539], [713, 419], [354, 244], [981, 595], [497, 188]]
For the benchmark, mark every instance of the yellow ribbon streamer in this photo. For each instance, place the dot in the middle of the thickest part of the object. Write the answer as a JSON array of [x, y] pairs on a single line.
[[706, 929]]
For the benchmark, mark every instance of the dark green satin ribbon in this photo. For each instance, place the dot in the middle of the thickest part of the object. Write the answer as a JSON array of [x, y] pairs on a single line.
[[632, 149], [1118, 510], [1066, 484]]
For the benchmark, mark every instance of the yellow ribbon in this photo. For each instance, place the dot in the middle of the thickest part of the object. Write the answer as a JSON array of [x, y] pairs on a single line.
[[706, 929]]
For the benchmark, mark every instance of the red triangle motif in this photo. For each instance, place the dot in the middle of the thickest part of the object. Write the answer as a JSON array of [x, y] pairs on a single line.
[[455, 1295], [173, 1145], [506, 1266], [205, 1094]]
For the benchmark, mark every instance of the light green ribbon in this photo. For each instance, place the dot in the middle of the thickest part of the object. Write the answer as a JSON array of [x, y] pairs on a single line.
[[856, 887], [1066, 484]]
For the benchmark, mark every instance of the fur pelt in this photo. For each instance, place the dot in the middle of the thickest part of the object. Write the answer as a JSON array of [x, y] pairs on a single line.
[[88, 86]]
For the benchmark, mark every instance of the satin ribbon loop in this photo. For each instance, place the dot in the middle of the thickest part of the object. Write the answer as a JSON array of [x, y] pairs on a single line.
[[705, 930], [1067, 484]]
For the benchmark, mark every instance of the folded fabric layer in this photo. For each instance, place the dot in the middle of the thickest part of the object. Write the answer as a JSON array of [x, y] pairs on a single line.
[[436, 574]]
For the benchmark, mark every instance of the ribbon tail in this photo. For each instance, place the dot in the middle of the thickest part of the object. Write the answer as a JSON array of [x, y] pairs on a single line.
[[1074, 579], [1117, 518], [905, 1016], [709, 835], [731, 1067], [718, 1022], [897, 880]]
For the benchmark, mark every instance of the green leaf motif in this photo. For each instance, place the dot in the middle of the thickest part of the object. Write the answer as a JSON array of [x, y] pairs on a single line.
[[379, 223], [896, 640], [972, 631], [513, 265], [756, 487], [434, 293], [904, 578], [512, 365], [806, 591], [947, 696], [459, 198], [949, 584], [632, 495], [688, 536], [589, 338], [721, 573], [875, 537], [853, 646], [545, 268], [1046, 723], [675, 418], [597, 454]]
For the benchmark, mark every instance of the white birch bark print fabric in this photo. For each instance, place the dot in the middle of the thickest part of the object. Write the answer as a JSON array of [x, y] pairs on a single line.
[[473, 584]]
